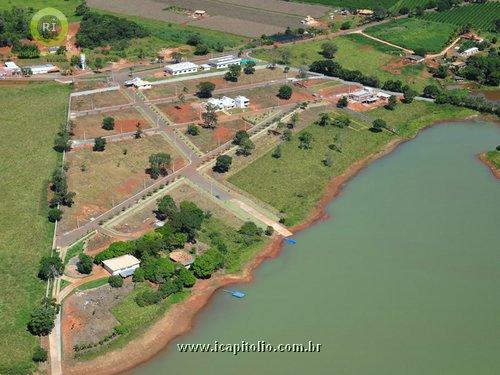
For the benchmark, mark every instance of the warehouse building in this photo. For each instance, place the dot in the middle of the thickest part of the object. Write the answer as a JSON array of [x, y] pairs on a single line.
[[224, 61], [181, 68], [123, 266]]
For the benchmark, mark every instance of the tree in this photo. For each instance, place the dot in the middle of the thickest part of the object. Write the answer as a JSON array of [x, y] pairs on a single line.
[[203, 266], [62, 142], [177, 57], [42, 318], [82, 9], [54, 214], [240, 136], [294, 119], [378, 125], [277, 152], [305, 139], [193, 130], [233, 73], [186, 277], [409, 95], [40, 355], [194, 40], [75, 61], [392, 102], [159, 164], [51, 266], [269, 231], [201, 49], [188, 220], [205, 89], [84, 264], [343, 102], [431, 91], [138, 132], [138, 275], [98, 63], [346, 25], [223, 163], [380, 13], [108, 123], [166, 207], [246, 147], [99, 144], [441, 72], [285, 92], [324, 119], [287, 135], [209, 117], [250, 229], [249, 67], [341, 121], [116, 281], [328, 50], [147, 297]]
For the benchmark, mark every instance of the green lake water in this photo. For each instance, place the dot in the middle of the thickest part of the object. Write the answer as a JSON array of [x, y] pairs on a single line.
[[403, 279]]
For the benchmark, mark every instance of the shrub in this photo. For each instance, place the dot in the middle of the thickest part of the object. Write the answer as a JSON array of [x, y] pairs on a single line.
[[223, 163], [84, 264], [115, 281], [40, 355], [147, 297], [285, 92], [108, 123], [193, 130], [54, 214]]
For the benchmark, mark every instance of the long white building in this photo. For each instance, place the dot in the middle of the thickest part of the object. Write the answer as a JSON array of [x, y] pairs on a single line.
[[181, 68], [224, 61]]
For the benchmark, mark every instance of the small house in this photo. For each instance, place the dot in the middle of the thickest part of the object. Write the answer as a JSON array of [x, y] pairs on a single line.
[[222, 103], [199, 13], [241, 101], [470, 51], [182, 257], [181, 68], [364, 95], [365, 12], [124, 265], [415, 58], [224, 61], [12, 68]]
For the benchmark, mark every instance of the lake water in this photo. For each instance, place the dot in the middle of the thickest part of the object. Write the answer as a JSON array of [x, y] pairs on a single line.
[[403, 279]]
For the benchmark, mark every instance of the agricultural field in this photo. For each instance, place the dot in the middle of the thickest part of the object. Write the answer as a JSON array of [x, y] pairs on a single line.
[[29, 120], [358, 4], [209, 139], [101, 178], [248, 18], [414, 34], [126, 120], [480, 16], [189, 86], [353, 52], [99, 100]]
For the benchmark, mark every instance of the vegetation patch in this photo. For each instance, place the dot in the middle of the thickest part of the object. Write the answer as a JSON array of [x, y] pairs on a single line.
[[30, 114], [494, 158], [415, 34]]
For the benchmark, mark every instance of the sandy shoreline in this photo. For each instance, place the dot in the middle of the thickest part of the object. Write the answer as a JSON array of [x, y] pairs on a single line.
[[494, 171], [180, 318]]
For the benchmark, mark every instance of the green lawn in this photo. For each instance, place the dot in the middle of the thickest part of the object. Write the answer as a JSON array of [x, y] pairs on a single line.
[[294, 183], [29, 119], [356, 52], [494, 157], [414, 34], [409, 119]]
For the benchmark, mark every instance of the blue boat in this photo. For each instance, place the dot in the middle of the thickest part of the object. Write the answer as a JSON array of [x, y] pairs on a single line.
[[235, 293], [291, 241]]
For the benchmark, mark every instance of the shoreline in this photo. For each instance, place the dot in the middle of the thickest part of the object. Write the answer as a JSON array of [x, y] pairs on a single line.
[[181, 318], [494, 171]]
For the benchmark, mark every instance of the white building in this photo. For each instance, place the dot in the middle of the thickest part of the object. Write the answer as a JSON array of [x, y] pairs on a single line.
[[123, 266], [181, 68], [470, 51], [138, 83], [12, 68], [222, 103], [224, 61], [241, 101], [43, 69]]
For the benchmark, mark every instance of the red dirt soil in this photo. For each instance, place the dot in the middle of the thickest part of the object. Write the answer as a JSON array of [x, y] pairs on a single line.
[[130, 125], [181, 114]]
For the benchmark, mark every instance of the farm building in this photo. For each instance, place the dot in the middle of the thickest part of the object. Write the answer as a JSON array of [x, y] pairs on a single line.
[[123, 266], [470, 51], [414, 58], [181, 68], [182, 257], [365, 12], [365, 95], [225, 61], [43, 69]]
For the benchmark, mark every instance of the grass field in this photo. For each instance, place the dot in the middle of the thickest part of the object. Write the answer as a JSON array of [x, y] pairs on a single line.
[[101, 178], [414, 34], [126, 120], [357, 4], [354, 51], [294, 183], [409, 119], [494, 157], [29, 119], [480, 16], [99, 100]]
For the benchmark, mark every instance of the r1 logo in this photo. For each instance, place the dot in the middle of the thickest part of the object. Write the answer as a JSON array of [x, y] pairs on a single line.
[[49, 27]]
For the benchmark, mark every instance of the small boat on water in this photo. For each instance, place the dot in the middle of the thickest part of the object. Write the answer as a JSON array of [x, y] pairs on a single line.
[[235, 293], [290, 241]]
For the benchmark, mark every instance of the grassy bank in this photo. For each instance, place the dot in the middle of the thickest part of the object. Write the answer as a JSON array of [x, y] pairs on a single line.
[[354, 51], [494, 158], [29, 119], [295, 183]]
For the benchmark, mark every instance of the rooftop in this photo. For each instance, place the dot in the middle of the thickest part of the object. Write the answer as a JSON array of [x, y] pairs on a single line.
[[121, 262], [186, 65], [182, 257]]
